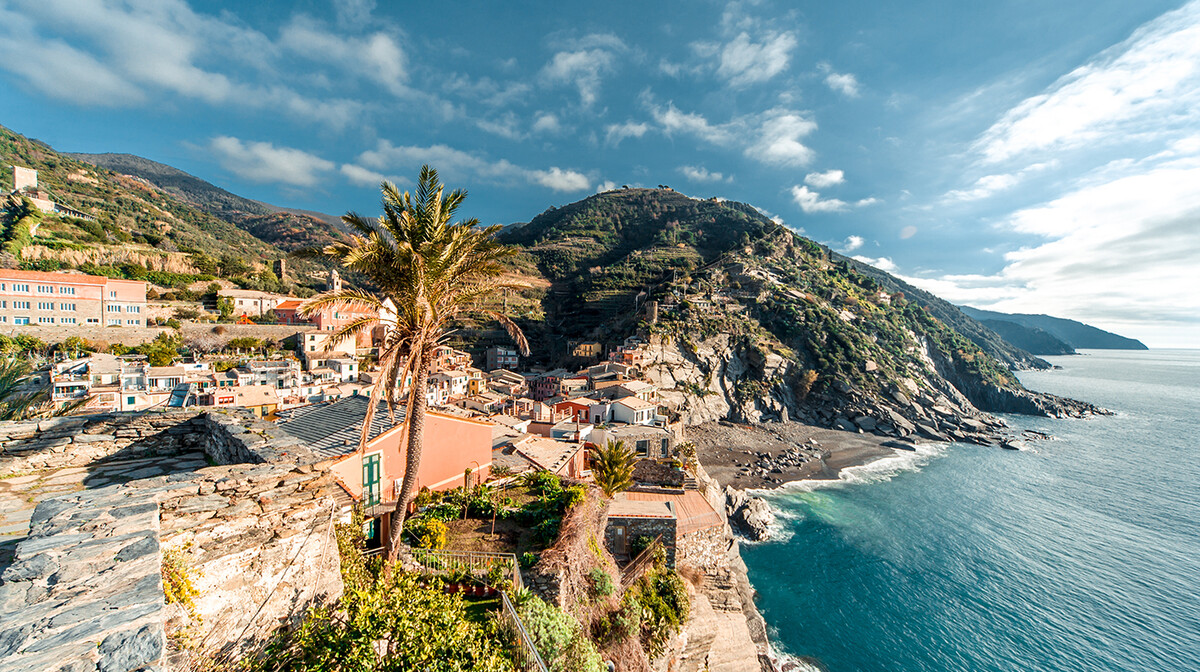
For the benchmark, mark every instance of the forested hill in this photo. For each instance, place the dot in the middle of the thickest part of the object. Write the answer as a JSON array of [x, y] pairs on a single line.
[[719, 268], [140, 228], [287, 229]]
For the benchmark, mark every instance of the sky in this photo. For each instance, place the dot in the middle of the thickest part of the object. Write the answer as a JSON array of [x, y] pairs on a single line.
[[1015, 155]]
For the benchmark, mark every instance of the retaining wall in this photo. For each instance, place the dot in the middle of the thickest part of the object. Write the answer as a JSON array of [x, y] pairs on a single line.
[[253, 534]]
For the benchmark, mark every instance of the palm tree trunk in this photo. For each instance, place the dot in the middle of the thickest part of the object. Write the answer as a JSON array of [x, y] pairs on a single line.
[[415, 419]]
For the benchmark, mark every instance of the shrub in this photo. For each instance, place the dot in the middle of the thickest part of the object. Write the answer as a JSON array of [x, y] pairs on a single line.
[[427, 532], [442, 511], [541, 482], [559, 638], [664, 600], [528, 559], [602, 584], [639, 544], [571, 496]]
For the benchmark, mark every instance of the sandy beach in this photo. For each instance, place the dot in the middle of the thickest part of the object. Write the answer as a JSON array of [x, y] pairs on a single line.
[[796, 451]]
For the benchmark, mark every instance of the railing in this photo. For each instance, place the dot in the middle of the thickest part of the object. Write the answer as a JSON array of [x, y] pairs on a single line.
[[527, 656], [474, 562], [636, 568]]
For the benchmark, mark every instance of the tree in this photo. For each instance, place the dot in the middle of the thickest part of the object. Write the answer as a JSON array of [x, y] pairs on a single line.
[[429, 272], [613, 467], [225, 306]]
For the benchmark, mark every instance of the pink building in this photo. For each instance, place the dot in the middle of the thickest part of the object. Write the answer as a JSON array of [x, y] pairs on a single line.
[[36, 297]]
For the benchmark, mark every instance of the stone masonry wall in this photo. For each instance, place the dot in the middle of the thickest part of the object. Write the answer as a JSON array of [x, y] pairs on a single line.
[[254, 535], [645, 527], [704, 549]]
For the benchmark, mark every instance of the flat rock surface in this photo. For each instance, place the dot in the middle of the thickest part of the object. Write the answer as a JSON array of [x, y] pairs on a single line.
[[731, 452]]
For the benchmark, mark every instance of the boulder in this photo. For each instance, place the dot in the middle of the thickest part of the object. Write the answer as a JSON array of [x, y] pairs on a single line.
[[751, 516], [866, 422]]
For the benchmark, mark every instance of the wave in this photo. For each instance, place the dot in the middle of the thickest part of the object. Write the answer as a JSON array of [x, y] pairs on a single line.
[[878, 471]]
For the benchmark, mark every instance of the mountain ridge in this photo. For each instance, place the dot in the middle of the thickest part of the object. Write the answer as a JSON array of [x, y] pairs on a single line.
[[1072, 332]]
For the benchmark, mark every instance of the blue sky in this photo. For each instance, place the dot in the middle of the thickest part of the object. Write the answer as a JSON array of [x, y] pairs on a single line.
[[1018, 155]]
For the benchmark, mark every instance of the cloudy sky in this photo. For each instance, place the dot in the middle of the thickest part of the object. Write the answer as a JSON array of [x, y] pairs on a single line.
[[1021, 156]]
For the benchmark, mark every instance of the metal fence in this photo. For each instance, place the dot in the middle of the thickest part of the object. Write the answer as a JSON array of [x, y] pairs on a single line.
[[476, 563], [526, 653], [638, 566]]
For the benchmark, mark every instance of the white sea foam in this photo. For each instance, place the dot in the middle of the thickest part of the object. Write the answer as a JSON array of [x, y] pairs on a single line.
[[780, 660], [883, 469]]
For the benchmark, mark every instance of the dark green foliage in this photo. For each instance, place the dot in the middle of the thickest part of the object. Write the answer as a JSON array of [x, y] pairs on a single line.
[[559, 637], [602, 583], [664, 600], [613, 467]]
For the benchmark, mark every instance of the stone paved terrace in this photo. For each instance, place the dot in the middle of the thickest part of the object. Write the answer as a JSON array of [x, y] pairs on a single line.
[[90, 505]]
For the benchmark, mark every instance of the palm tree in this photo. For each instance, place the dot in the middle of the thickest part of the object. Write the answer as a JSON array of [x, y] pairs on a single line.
[[428, 272], [613, 467], [16, 401]]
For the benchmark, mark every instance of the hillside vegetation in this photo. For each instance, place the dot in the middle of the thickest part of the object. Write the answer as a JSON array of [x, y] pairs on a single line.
[[143, 232]]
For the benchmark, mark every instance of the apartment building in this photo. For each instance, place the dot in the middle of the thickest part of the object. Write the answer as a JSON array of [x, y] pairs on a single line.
[[499, 357], [250, 302], [37, 297]]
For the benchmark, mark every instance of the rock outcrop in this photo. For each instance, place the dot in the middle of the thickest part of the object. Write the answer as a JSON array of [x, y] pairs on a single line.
[[748, 514]]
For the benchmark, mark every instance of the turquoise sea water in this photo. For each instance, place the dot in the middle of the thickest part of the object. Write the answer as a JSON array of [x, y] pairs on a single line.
[[1080, 554]]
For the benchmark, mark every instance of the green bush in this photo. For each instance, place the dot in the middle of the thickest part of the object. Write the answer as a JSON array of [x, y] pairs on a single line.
[[602, 584], [528, 559], [664, 600], [559, 638]]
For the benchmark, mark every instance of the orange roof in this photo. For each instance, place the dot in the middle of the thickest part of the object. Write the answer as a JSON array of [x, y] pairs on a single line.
[[46, 276], [290, 304]]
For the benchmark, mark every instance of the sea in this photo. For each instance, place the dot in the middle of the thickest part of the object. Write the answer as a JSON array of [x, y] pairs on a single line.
[[1080, 553]]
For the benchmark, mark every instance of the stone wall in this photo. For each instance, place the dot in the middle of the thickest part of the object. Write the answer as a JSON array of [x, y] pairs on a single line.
[[645, 527], [253, 534], [704, 549]]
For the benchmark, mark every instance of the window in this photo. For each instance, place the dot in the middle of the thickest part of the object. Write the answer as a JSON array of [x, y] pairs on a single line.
[[45, 305], [67, 306], [666, 448], [132, 321], [114, 321], [67, 320], [93, 320], [133, 309], [45, 320], [112, 295], [67, 290], [3, 304], [371, 478], [131, 401], [3, 318], [20, 320], [21, 305], [114, 309], [643, 447], [3, 287], [45, 289], [20, 288]]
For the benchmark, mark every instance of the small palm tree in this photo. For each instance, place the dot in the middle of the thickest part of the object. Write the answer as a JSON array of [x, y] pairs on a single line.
[[19, 401], [613, 467], [428, 272]]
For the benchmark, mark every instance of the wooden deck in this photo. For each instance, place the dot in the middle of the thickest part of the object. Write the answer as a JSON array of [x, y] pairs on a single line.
[[692, 510]]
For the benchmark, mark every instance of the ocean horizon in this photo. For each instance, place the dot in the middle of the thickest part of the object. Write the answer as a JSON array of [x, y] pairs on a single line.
[[1080, 553]]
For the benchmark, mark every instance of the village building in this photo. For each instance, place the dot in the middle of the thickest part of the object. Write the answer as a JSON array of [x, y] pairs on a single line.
[[501, 357], [634, 411], [564, 458], [61, 298], [457, 451]]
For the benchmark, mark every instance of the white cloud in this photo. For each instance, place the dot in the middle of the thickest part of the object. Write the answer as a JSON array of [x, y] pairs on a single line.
[[615, 133], [545, 122], [360, 176], [852, 243], [124, 54], [866, 202], [264, 162], [455, 164], [811, 201], [744, 61], [674, 121], [826, 179], [375, 57], [353, 13], [607, 185], [843, 83], [991, 184], [1118, 250], [506, 126], [882, 263], [585, 65], [779, 139], [908, 232], [1137, 85], [561, 180], [702, 174]]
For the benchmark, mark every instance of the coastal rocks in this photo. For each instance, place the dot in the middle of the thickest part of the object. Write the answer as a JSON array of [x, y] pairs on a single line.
[[749, 515]]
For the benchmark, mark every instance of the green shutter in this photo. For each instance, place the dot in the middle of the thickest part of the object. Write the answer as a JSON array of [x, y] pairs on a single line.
[[371, 478]]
